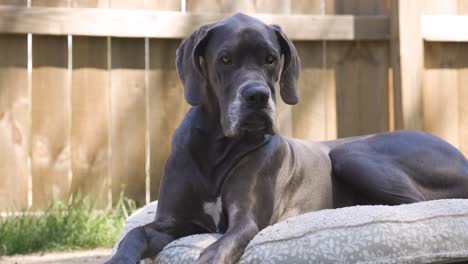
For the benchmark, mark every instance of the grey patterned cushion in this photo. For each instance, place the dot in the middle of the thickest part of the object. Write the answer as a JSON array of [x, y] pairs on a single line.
[[426, 232]]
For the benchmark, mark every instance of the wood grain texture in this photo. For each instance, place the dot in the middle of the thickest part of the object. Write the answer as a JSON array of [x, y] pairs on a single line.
[[128, 118], [163, 5], [440, 101], [166, 103], [146, 23], [462, 99], [50, 99], [125, 4], [307, 6], [90, 3], [463, 7], [408, 57], [14, 122], [274, 6], [233, 6], [309, 116], [361, 7], [50, 3], [89, 124], [361, 79], [463, 86], [445, 91], [361, 76], [50, 119], [140, 4], [167, 106], [222, 6], [14, 2]]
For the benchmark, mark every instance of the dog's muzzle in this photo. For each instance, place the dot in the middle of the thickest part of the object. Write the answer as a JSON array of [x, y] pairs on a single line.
[[253, 110]]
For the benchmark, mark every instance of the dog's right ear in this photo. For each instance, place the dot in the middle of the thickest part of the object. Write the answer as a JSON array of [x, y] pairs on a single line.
[[188, 65], [291, 68]]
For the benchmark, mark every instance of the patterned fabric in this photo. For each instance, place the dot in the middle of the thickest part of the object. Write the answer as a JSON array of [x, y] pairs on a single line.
[[186, 249], [427, 232]]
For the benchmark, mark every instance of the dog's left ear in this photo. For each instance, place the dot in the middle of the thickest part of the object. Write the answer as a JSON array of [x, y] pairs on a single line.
[[189, 68], [291, 68]]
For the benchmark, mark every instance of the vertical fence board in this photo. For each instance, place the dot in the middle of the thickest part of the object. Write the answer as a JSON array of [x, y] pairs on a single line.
[[225, 6], [89, 136], [361, 77], [128, 118], [166, 102], [440, 83], [50, 118], [309, 115], [14, 122], [89, 131], [306, 6], [128, 113], [408, 57], [51, 3], [127, 4], [90, 3], [167, 105], [13, 2], [463, 99], [407, 63], [360, 7], [50, 150], [163, 5], [273, 6], [440, 95], [463, 86], [462, 7], [146, 4]]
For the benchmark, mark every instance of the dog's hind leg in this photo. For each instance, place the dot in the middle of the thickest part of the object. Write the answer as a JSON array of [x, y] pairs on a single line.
[[372, 179]]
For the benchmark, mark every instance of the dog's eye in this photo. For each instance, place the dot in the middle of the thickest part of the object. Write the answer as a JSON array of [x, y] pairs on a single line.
[[270, 59], [225, 60]]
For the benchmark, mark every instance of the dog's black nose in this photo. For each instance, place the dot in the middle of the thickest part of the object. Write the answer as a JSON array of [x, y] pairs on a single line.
[[256, 95]]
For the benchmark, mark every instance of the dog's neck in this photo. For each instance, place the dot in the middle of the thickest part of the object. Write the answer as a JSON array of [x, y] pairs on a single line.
[[211, 150]]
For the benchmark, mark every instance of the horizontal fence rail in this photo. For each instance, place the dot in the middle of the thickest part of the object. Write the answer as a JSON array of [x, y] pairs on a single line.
[[444, 28], [165, 24]]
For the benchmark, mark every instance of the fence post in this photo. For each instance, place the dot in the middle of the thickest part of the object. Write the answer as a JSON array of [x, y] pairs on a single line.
[[406, 51]]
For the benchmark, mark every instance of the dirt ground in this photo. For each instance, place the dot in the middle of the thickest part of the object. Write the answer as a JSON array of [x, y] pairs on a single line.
[[95, 256]]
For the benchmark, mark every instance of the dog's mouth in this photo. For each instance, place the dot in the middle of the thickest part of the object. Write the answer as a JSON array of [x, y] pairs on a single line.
[[257, 123]]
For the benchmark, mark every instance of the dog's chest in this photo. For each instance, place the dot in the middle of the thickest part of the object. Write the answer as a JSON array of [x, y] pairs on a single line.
[[214, 209]]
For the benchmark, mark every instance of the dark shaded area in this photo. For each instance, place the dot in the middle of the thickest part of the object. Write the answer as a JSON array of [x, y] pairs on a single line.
[[437, 57]]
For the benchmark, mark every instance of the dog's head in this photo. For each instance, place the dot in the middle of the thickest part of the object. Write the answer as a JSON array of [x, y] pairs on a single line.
[[236, 62]]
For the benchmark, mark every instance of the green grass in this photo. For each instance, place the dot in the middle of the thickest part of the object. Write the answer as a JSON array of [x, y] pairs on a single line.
[[64, 226]]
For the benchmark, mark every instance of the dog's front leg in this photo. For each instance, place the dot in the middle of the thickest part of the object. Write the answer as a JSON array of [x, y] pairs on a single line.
[[249, 210], [141, 242], [229, 248]]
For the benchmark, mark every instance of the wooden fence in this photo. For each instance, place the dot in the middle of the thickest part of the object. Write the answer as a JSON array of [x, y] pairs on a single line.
[[89, 95]]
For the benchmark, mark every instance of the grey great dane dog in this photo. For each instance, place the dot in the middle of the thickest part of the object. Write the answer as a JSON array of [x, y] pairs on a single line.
[[231, 172]]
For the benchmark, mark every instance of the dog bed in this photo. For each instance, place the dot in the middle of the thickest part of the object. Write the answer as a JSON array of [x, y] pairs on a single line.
[[426, 232]]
